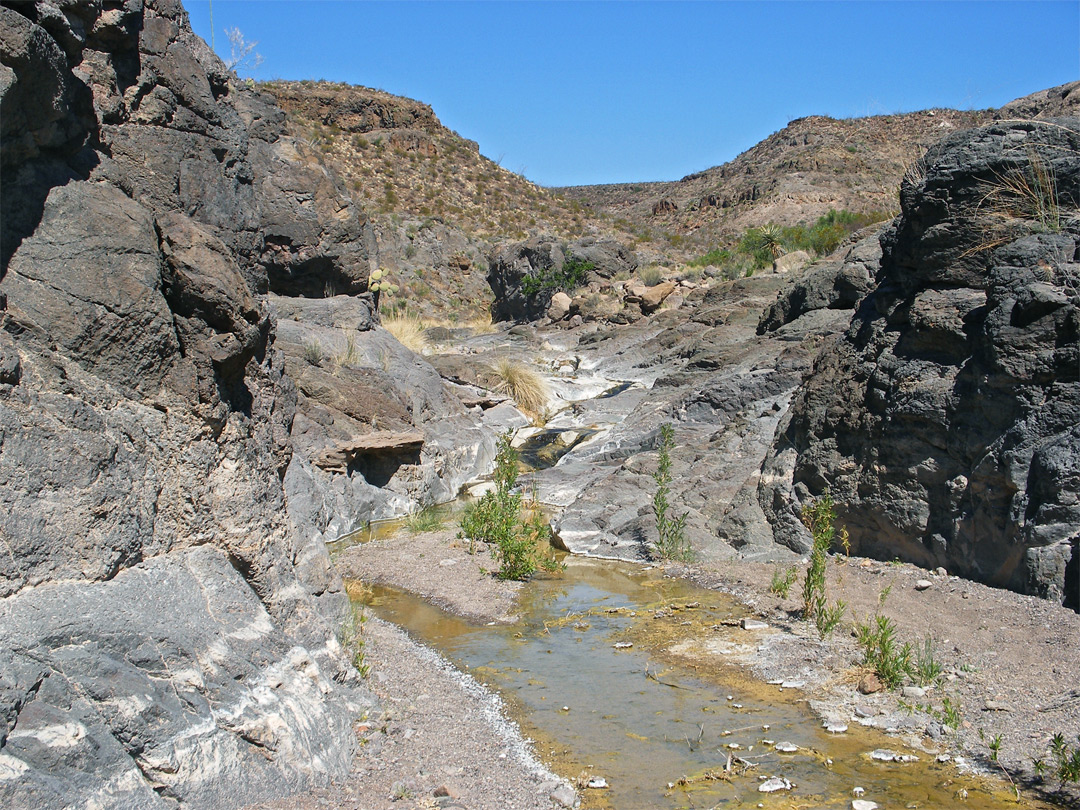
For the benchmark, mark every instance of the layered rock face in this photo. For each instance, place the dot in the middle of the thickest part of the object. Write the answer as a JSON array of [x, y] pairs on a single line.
[[945, 421], [166, 635]]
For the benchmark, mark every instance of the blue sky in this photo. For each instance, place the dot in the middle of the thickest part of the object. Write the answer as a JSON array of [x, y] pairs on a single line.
[[598, 92]]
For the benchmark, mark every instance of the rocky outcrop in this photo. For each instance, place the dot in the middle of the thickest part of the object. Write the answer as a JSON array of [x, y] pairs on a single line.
[[523, 275], [944, 421], [837, 282], [1052, 103], [169, 637]]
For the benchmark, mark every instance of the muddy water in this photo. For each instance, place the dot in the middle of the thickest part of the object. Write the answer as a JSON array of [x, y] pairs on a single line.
[[589, 674]]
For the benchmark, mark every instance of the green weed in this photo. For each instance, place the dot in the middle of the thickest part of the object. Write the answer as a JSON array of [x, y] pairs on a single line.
[[671, 542], [882, 652], [351, 637], [783, 580]]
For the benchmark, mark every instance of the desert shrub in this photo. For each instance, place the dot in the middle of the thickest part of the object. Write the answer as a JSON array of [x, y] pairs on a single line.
[[313, 352], [351, 637], [409, 332], [651, 275], [882, 651], [517, 536], [782, 581], [568, 278]]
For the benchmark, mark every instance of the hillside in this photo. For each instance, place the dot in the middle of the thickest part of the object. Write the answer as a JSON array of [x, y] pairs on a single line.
[[795, 175], [437, 204]]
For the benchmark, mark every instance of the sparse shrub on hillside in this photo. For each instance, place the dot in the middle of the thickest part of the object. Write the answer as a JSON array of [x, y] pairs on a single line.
[[819, 517], [313, 352], [651, 275]]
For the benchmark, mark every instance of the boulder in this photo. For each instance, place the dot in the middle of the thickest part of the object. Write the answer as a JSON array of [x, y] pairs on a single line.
[[653, 297], [796, 260], [559, 307]]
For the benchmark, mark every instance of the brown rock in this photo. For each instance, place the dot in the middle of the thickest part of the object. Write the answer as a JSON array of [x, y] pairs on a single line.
[[559, 307], [653, 297], [869, 684]]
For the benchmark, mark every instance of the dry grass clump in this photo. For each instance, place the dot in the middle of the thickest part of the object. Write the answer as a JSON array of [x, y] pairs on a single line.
[[481, 324], [522, 384], [409, 332], [651, 275], [1029, 193]]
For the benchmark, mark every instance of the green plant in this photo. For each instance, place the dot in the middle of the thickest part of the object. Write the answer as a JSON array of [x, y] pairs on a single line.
[[379, 284], [351, 637], [1066, 759], [424, 520], [882, 652], [496, 519], [567, 278], [350, 355], [313, 352], [783, 580], [927, 669], [671, 542], [828, 617], [818, 516]]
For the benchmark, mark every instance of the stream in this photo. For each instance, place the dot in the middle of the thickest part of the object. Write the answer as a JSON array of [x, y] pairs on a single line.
[[588, 673]]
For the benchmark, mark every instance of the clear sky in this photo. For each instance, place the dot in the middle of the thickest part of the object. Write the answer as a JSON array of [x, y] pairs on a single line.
[[599, 92]]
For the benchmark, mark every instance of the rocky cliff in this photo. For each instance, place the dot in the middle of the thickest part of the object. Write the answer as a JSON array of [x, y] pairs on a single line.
[[167, 635], [944, 421]]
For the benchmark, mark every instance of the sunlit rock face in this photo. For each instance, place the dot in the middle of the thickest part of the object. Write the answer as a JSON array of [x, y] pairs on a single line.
[[165, 634], [945, 420]]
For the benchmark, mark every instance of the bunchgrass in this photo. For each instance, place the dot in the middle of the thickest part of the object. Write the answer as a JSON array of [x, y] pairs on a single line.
[[408, 331], [522, 384]]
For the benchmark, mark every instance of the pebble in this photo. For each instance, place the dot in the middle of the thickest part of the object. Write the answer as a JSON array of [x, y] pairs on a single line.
[[863, 804], [835, 728], [913, 692], [564, 796], [857, 791], [922, 584], [997, 706], [944, 758], [792, 684], [941, 572], [753, 624], [623, 645], [597, 783], [864, 711], [773, 784], [786, 747]]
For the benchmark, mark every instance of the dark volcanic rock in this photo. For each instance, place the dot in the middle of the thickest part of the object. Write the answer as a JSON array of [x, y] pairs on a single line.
[[838, 282], [168, 637], [542, 256], [944, 421]]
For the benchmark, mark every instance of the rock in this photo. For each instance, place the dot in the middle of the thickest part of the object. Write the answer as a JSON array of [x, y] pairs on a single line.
[[962, 352], [664, 206], [863, 804], [653, 297], [446, 791], [596, 783], [774, 784], [786, 747], [922, 584], [753, 624], [796, 260], [836, 282], [559, 307], [941, 572], [384, 447], [835, 728], [869, 684], [544, 257], [997, 706], [864, 711], [564, 796], [886, 755], [181, 648], [913, 692]]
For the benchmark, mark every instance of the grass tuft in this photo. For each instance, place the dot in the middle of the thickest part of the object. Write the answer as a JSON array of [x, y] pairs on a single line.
[[522, 384], [408, 331]]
